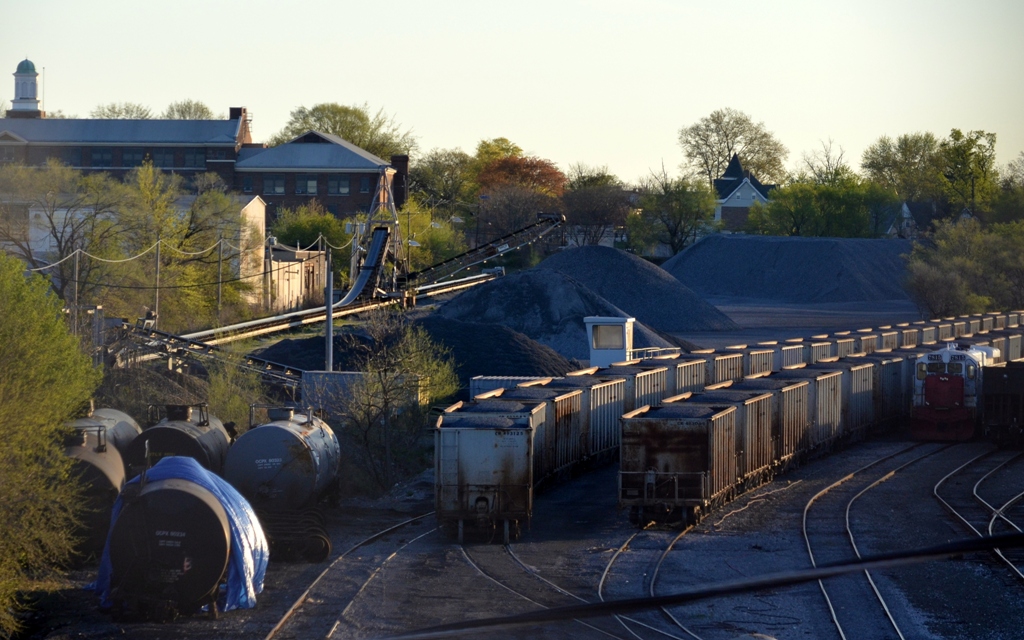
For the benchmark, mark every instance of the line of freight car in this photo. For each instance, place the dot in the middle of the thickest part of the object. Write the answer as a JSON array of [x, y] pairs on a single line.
[[97, 445], [1003, 403]]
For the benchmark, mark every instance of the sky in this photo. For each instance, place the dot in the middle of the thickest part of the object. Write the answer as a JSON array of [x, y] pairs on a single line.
[[573, 81]]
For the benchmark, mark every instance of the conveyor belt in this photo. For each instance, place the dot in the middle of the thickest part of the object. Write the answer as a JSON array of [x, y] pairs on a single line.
[[370, 267]]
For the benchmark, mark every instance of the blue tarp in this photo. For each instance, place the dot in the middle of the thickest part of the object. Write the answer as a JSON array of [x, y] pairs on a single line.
[[247, 563]]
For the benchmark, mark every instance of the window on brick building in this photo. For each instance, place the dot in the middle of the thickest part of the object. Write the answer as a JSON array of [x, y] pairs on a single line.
[[163, 158], [364, 185], [72, 156], [247, 184], [305, 184], [273, 185], [337, 186], [8, 154], [195, 158], [102, 157], [132, 157]]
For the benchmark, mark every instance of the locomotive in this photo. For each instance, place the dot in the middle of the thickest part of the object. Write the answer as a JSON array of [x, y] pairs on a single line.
[[947, 386]]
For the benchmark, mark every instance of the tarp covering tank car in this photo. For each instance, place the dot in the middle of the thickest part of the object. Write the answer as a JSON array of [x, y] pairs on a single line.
[[153, 551]]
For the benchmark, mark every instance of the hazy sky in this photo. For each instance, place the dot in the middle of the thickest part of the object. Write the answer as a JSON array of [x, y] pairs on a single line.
[[599, 82]]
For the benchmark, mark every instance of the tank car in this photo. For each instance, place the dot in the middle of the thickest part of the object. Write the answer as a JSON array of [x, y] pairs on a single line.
[[946, 390], [186, 430], [96, 445], [178, 533], [284, 467]]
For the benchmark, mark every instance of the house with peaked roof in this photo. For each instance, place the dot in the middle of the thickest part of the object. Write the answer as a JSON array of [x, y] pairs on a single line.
[[320, 166], [737, 190]]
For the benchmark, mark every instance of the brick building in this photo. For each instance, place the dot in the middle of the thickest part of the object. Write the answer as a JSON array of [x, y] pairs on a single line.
[[314, 166]]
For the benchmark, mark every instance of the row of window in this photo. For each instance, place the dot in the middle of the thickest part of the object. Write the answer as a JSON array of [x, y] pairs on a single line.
[[306, 184], [107, 157]]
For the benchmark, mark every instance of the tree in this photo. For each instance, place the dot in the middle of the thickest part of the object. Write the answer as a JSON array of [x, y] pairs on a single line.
[[910, 166], [846, 208], [506, 208], [430, 240], [1008, 203], [672, 211], [379, 134], [828, 166], [51, 212], [487, 151], [383, 415], [444, 180], [948, 276], [526, 172], [188, 110], [302, 226], [121, 111], [968, 169], [595, 204], [710, 143], [38, 500]]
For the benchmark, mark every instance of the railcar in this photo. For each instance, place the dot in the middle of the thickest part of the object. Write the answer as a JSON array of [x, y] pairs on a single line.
[[1003, 403], [96, 444], [946, 391], [284, 468], [185, 430]]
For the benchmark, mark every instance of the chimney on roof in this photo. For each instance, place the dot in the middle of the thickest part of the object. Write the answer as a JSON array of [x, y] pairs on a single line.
[[236, 113]]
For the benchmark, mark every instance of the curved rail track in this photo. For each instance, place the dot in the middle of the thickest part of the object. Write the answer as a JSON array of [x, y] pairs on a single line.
[[290, 619]]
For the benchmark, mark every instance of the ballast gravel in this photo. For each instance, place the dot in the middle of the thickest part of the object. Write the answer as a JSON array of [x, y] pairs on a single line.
[[643, 290], [793, 269]]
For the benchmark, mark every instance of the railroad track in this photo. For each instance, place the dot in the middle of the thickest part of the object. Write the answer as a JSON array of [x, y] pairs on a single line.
[[847, 597], [981, 515], [330, 589]]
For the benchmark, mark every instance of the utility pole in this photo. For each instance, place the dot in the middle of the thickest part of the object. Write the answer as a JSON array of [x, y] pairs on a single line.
[[74, 314], [220, 272], [156, 304], [329, 295]]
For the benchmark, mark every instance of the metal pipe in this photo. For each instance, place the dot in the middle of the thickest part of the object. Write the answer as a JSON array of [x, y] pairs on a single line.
[[156, 304], [329, 365]]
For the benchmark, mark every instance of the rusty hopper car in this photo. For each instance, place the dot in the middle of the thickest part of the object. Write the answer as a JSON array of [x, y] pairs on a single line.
[[858, 391], [825, 403], [755, 453], [483, 473], [790, 428], [561, 446], [1002, 403], [677, 461], [891, 388], [602, 404]]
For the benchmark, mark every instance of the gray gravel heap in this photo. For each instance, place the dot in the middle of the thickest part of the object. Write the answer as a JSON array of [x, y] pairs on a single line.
[[643, 290], [795, 270], [547, 306]]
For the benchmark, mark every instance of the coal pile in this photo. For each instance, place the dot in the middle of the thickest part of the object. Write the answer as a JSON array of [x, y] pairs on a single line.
[[547, 306], [794, 270], [644, 291], [493, 350], [475, 349]]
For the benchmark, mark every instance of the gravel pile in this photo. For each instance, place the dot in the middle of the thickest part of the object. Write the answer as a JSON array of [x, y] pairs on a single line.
[[647, 292], [797, 270], [548, 307]]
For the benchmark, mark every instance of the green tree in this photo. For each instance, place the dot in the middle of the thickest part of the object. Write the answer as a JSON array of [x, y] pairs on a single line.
[[188, 110], [672, 211], [595, 203], [968, 170], [431, 240], [380, 134], [444, 180], [383, 415], [710, 143], [121, 111], [300, 227], [948, 276], [38, 500], [1008, 204], [909, 165]]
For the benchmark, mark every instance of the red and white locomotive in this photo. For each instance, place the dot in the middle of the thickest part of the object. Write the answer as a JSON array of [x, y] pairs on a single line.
[[946, 391]]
